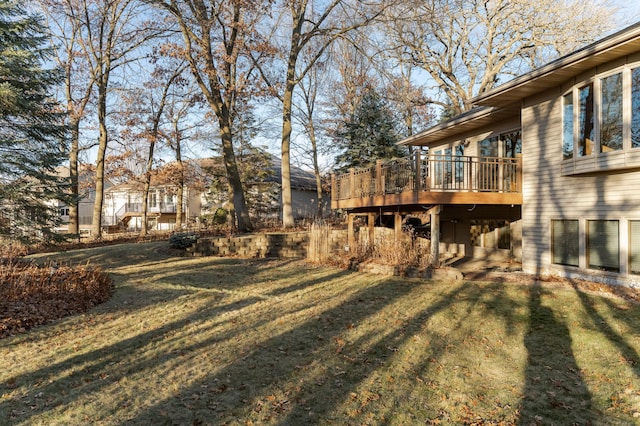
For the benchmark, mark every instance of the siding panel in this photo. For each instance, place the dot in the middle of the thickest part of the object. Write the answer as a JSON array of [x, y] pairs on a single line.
[[547, 194]]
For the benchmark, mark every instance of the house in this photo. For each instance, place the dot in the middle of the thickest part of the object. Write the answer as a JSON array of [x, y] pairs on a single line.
[[262, 184], [87, 196], [122, 207], [204, 192], [543, 169]]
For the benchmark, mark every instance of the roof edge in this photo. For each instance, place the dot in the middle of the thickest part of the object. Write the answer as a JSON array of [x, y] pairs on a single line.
[[473, 114]]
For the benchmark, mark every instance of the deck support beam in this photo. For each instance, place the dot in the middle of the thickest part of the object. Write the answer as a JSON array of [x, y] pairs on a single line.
[[397, 226], [434, 212], [371, 223], [351, 238]]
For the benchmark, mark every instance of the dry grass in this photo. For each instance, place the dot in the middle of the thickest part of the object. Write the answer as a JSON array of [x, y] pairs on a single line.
[[230, 341]]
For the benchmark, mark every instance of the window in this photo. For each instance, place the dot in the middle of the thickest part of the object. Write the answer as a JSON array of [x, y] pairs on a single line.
[[586, 133], [603, 245], [634, 246], [611, 115], [489, 147], [635, 108], [63, 211], [601, 123], [439, 159], [567, 126], [459, 173], [565, 239], [511, 144]]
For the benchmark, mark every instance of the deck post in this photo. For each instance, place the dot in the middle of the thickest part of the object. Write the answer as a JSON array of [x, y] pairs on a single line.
[[352, 183], [334, 188], [417, 172], [351, 239], [435, 235], [371, 222], [397, 226], [379, 185]]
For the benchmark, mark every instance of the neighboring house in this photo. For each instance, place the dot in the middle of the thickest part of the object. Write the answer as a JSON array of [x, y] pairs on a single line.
[[544, 169], [122, 207], [206, 190], [87, 195], [262, 184]]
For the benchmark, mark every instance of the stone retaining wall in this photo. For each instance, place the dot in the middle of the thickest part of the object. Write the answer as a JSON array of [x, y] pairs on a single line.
[[289, 245]]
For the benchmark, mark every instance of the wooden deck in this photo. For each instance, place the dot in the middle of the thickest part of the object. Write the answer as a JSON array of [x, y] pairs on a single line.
[[429, 179]]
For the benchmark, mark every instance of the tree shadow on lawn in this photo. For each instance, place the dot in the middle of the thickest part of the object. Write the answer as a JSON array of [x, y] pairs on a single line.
[[131, 296], [85, 371], [287, 379], [555, 391], [627, 352]]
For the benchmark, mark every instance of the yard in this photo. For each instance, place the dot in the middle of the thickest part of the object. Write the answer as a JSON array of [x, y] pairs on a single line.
[[230, 341]]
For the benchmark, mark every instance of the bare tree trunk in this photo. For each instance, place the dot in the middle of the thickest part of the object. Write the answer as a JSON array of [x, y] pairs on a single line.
[[74, 215], [239, 204], [287, 208], [180, 188], [96, 224], [147, 185], [316, 168]]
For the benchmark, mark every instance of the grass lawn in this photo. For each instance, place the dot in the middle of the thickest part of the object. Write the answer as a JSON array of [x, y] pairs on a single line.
[[229, 341]]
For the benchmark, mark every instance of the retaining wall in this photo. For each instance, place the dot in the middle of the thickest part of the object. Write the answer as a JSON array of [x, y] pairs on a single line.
[[289, 245]]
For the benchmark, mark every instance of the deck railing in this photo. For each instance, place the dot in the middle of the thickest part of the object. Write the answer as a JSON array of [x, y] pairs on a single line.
[[430, 172]]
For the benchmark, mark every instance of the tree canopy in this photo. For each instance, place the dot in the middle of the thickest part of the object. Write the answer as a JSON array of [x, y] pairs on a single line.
[[32, 134]]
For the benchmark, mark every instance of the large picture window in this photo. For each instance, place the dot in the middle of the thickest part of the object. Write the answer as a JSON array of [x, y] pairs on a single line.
[[601, 119], [565, 247], [635, 108], [611, 118], [586, 131], [567, 126], [603, 245]]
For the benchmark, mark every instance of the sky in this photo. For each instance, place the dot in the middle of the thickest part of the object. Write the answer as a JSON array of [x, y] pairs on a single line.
[[628, 13]]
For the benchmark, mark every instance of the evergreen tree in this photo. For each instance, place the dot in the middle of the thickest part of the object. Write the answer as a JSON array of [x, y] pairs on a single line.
[[370, 134], [32, 133]]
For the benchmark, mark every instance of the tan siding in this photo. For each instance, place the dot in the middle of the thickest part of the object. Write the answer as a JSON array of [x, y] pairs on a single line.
[[548, 195], [472, 139]]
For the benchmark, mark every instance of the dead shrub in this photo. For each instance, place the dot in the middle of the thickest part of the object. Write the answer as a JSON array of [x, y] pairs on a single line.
[[386, 250], [32, 295]]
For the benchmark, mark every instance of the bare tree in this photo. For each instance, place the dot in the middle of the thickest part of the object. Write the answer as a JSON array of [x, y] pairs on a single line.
[[107, 33], [162, 81], [468, 46], [216, 35], [313, 27], [65, 32], [306, 116]]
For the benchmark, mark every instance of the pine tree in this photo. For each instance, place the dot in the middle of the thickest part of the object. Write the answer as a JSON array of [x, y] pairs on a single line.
[[370, 134], [32, 133]]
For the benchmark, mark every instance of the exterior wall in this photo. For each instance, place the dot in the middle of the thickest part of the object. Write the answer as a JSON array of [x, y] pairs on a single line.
[[305, 203], [471, 139], [548, 195]]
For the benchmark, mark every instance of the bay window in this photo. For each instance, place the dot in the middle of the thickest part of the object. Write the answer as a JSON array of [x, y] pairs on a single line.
[[601, 123]]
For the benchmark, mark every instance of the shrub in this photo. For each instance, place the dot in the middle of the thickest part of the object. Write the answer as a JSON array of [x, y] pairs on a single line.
[[182, 240], [32, 295]]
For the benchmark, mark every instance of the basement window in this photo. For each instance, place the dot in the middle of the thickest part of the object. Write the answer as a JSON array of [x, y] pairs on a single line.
[[603, 245], [565, 238]]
